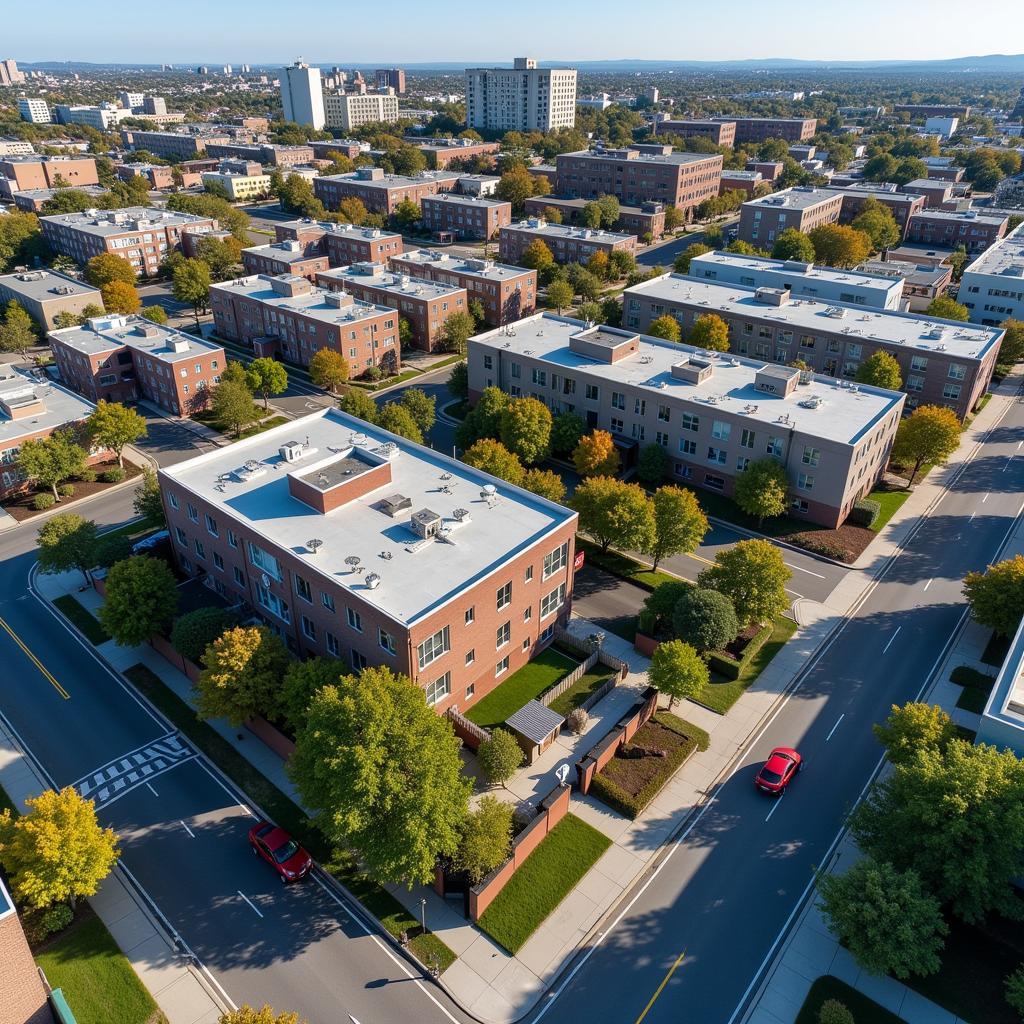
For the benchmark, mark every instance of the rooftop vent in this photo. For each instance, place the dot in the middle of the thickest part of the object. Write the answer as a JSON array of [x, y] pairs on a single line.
[[393, 504], [425, 523], [292, 451]]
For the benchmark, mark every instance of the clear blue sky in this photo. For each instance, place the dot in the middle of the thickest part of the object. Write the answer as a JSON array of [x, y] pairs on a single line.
[[398, 31]]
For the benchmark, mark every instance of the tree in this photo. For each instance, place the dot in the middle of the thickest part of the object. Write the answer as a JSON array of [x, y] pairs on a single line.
[[190, 282], [832, 1011], [881, 168], [405, 333], [958, 260], [21, 240], [421, 407], [382, 770], [241, 676], [396, 417], [478, 313], [64, 319], [566, 430], [931, 433], [328, 369], [457, 330], [221, 255], [67, 541], [1014, 990], [352, 210], [560, 295], [683, 260], [49, 461], [458, 382], [499, 757], [679, 524], [945, 308], [621, 263], [546, 483], [878, 223], [146, 500], [106, 268], [885, 917], [18, 331], [996, 596], [154, 314], [1012, 348], [526, 429], [596, 455], [666, 327], [914, 727], [141, 599], [246, 1014], [119, 297], [231, 403], [587, 284], [114, 426], [760, 490], [880, 370], [612, 511], [677, 670], [599, 265], [910, 169], [705, 619], [358, 403], [56, 851], [406, 214], [609, 207], [302, 679], [710, 331], [493, 457], [266, 377], [652, 465], [194, 631], [753, 576], [486, 838], [515, 187], [839, 245], [793, 244], [536, 256]]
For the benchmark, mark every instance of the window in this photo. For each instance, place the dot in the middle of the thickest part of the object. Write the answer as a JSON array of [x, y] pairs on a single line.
[[504, 596], [262, 560], [639, 431], [717, 455], [232, 539], [951, 391], [805, 482], [811, 456], [182, 536], [690, 422], [593, 392], [470, 691], [640, 406], [741, 463], [957, 372], [239, 575], [540, 377], [661, 438], [503, 634], [617, 425], [302, 588], [800, 506], [914, 383], [172, 501], [806, 341], [193, 512], [355, 620], [218, 560], [200, 549], [529, 573], [774, 447], [488, 362], [527, 614], [721, 430], [550, 603], [664, 413], [327, 600], [433, 647], [502, 667], [687, 447], [470, 615], [618, 400], [358, 660], [269, 600], [386, 641], [747, 439], [333, 647], [716, 483], [308, 629], [470, 657], [919, 363], [211, 525]]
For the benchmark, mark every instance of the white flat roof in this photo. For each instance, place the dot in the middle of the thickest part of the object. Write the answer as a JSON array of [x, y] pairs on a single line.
[[346, 230], [62, 406], [640, 157], [959, 340], [485, 270], [800, 197], [845, 412], [1005, 258], [402, 284], [460, 200], [281, 251], [542, 227], [394, 180], [419, 576], [111, 331], [313, 303], [119, 222], [974, 216], [44, 285]]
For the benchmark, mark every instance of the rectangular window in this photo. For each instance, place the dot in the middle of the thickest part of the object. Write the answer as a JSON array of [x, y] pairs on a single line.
[[504, 596], [690, 422], [687, 447], [502, 667], [919, 363], [550, 603], [540, 377], [593, 392], [470, 615], [527, 614], [355, 620], [266, 562], [951, 391], [211, 525], [811, 456], [218, 560], [358, 660], [914, 382], [618, 400], [664, 414], [716, 483], [747, 439], [200, 549], [470, 657], [232, 539], [172, 501], [957, 372], [640, 406], [269, 600], [333, 647], [721, 430], [433, 647], [327, 600], [774, 447], [617, 425], [308, 628], [303, 589], [741, 463], [805, 481], [529, 573], [193, 512], [717, 455], [239, 575], [639, 431], [386, 641], [182, 536], [503, 634]]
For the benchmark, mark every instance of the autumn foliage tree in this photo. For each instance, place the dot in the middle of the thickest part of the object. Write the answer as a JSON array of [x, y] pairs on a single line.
[[931, 433], [710, 331], [753, 576], [596, 455], [996, 596]]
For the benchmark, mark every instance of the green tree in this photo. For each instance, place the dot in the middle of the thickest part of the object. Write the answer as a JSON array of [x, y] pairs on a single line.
[[266, 377], [394, 416], [526, 429], [221, 255], [560, 295], [241, 676], [56, 852], [793, 244], [515, 187], [190, 282], [67, 542], [931, 433], [421, 406], [596, 455], [352, 210], [679, 524], [358, 403], [536, 256], [832, 1011], [996, 596], [678, 671], [546, 483], [18, 331], [328, 369], [114, 426], [760, 490], [880, 370], [1012, 348], [21, 240], [878, 223], [194, 631], [458, 383], [621, 263], [958, 260], [499, 757], [705, 619], [486, 838], [493, 457], [106, 267], [945, 308], [1014, 990], [405, 333], [154, 314], [566, 430], [63, 320], [302, 679], [839, 245], [710, 331], [881, 168], [50, 461], [910, 169], [914, 727], [382, 771], [682, 261], [406, 214], [247, 1014], [652, 465], [665, 327], [232, 405], [457, 330], [753, 576], [885, 917], [612, 511], [141, 599], [590, 215]]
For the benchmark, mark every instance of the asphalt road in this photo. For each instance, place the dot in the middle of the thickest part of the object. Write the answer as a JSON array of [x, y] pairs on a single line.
[[664, 255], [705, 922]]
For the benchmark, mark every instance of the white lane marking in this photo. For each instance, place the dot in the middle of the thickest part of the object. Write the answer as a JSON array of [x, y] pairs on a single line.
[[893, 637], [1019, 443], [782, 796], [928, 584], [250, 902], [808, 571], [152, 790], [1007, 466], [983, 500], [794, 593], [973, 514], [186, 828], [834, 727]]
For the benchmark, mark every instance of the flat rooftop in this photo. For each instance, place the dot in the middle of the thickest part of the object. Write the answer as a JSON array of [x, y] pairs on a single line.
[[576, 203], [906, 270], [248, 482], [1004, 259], [484, 270], [314, 303], [1006, 701], [377, 276], [635, 156], [975, 216], [43, 285], [61, 406], [394, 180], [111, 331], [333, 228], [543, 227], [801, 197], [927, 334], [742, 175], [460, 200], [841, 413], [280, 251], [117, 222]]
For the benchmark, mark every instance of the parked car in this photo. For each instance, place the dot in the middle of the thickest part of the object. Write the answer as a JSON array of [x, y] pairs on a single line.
[[777, 772], [280, 851]]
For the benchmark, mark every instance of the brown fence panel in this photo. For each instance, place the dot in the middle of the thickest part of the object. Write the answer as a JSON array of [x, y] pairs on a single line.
[[469, 732]]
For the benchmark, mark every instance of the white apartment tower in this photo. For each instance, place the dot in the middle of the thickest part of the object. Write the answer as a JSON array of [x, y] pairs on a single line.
[[521, 98], [302, 95], [35, 111]]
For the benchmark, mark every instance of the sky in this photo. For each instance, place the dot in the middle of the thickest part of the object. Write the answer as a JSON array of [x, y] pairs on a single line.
[[420, 31]]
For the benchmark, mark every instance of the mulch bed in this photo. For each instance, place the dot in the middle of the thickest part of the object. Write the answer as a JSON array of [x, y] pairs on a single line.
[[846, 543], [740, 644], [19, 506], [632, 774]]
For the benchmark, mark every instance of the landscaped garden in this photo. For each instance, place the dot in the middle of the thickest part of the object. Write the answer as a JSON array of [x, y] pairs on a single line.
[[22, 505], [582, 689]]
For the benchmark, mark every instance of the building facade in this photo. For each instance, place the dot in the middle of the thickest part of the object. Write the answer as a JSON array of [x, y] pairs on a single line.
[[342, 244], [647, 218], [239, 187], [465, 216], [302, 95], [352, 109], [288, 257], [442, 153], [804, 208], [721, 133], [521, 98], [391, 78], [183, 145], [992, 287], [758, 129], [381, 192], [34, 110], [973, 229], [25, 172], [44, 294], [567, 244]]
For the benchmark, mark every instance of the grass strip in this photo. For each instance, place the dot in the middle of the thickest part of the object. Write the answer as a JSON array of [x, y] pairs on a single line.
[[581, 689], [890, 503], [80, 616], [624, 567], [522, 686]]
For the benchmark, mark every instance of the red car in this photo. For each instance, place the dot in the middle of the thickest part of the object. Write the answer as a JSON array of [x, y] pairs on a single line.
[[280, 851], [778, 770]]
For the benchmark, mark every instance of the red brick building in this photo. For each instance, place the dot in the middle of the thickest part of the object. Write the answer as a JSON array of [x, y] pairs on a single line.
[[465, 216], [975, 230], [758, 129], [442, 153], [567, 244], [342, 244], [380, 192], [721, 133], [24, 999], [25, 172], [633, 220], [288, 257]]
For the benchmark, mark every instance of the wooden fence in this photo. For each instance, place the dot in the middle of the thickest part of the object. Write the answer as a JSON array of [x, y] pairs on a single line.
[[572, 678], [469, 732]]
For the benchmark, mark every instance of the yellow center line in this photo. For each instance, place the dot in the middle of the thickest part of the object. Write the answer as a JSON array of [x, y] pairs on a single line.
[[699, 558], [660, 988], [35, 661]]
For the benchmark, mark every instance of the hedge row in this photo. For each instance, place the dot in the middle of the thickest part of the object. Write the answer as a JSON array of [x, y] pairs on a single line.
[[732, 667]]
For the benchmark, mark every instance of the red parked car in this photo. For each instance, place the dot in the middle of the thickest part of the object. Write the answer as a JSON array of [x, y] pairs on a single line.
[[280, 851], [778, 770]]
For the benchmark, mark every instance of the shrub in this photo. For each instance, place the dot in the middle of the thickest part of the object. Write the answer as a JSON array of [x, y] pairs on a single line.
[[577, 721], [1014, 989], [834, 1012], [55, 918], [66, 490], [706, 619], [829, 548], [43, 501], [865, 513], [87, 476], [194, 632], [113, 476], [732, 667], [499, 757]]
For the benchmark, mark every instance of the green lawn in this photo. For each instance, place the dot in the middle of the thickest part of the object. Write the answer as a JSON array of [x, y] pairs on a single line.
[[581, 689], [80, 616], [207, 418], [98, 982], [546, 877], [891, 502], [721, 695], [377, 385], [624, 567], [134, 530], [864, 1010], [522, 686]]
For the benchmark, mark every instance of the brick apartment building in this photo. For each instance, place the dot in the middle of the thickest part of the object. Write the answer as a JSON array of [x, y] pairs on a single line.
[[465, 216], [427, 305], [288, 257], [157, 175], [346, 147], [567, 244], [32, 200], [45, 293], [380, 192], [758, 129], [263, 153], [25, 999], [770, 170], [442, 153], [302, 319], [143, 236], [804, 208], [975, 230], [712, 414], [942, 362], [683, 180], [721, 133], [425, 565], [172, 145], [902, 205], [937, 193], [921, 284], [26, 172], [742, 181], [125, 358], [343, 244], [505, 292], [633, 220]]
